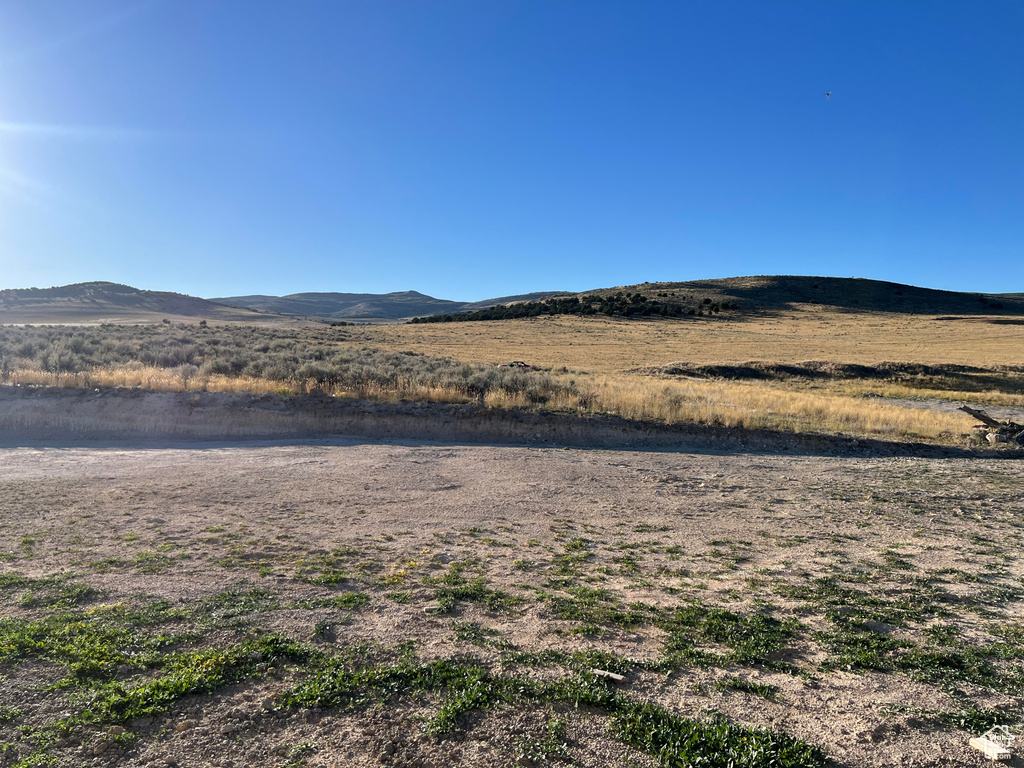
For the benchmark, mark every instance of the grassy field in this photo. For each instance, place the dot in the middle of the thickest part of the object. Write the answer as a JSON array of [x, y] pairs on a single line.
[[669, 370], [601, 345]]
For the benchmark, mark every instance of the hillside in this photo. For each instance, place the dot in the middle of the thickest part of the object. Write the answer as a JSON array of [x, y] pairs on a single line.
[[738, 298], [782, 292], [103, 302], [746, 296], [367, 306]]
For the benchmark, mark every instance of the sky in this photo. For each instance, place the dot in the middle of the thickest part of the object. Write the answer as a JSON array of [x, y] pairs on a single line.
[[477, 148]]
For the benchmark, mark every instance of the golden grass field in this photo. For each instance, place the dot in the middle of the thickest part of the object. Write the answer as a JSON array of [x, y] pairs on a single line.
[[602, 358], [603, 345], [601, 352]]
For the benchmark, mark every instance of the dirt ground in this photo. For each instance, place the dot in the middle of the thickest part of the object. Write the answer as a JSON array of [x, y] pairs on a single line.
[[744, 532]]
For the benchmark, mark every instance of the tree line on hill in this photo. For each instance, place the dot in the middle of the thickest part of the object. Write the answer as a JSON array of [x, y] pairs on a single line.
[[629, 305]]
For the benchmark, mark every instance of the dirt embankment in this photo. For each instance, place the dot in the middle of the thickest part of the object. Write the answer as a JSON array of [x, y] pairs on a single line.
[[42, 413]]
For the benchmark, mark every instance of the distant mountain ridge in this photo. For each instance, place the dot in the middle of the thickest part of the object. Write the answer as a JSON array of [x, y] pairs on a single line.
[[99, 302], [368, 306]]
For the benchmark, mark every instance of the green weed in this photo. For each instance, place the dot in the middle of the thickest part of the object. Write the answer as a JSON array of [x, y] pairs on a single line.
[[747, 686]]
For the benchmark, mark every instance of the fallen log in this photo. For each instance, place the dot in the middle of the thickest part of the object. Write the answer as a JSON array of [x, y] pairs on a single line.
[[981, 416]]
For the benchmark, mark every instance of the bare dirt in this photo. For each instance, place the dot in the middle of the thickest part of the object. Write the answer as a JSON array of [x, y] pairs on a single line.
[[187, 521]]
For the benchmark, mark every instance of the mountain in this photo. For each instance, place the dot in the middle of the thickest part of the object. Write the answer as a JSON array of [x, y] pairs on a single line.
[[99, 302], [102, 302], [368, 306]]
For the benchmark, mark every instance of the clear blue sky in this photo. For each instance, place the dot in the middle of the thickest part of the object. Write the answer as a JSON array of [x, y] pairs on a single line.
[[488, 147]]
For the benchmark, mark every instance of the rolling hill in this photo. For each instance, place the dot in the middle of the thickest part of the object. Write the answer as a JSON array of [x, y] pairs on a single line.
[[367, 306], [103, 302], [739, 297], [769, 293], [98, 302]]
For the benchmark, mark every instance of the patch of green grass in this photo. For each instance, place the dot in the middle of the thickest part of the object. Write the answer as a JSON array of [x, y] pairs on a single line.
[[943, 634], [232, 607], [552, 746], [453, 587], [49, 592], [747, 686], [297, 755], [322, 575], [107, 565], [595, 607], [792, 541], [151, 562], [190, 673], [629, 564], [92, 645], [471, 632], [752, 639], [577, 552], [678, 741], [467, 685], [856, 647], [843, 603], [977, 721], [859, 636]]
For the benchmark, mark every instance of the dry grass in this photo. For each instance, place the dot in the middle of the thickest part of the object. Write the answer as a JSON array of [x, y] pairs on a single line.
[[759, 405], [901, 390], [604, 345], [752, 405], [170, 380], [590, 357], [143, 377]]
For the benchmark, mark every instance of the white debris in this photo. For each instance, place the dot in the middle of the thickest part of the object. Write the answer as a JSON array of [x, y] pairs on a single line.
[[994, 743]]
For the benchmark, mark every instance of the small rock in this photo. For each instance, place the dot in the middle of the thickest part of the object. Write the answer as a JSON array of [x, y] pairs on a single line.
[[237, 713], [229, 728], [267, 704]]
